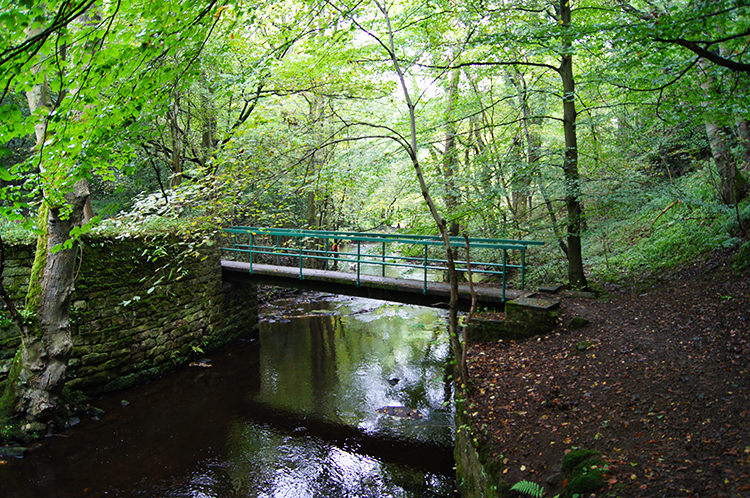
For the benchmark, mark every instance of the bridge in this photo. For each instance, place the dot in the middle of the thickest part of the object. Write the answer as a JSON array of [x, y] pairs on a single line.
[[393, 267]]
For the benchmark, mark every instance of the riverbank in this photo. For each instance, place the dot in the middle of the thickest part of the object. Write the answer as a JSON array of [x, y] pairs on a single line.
[[657, 382]]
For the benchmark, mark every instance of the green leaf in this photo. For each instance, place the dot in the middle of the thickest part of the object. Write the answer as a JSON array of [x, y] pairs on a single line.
[[4, 173], [528, 488]]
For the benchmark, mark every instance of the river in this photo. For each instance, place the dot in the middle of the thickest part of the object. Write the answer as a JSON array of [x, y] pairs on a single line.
[[340, 397]]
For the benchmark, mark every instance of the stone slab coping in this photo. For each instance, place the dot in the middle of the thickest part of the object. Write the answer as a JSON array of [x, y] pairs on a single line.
[[551, 289], [539, 303]]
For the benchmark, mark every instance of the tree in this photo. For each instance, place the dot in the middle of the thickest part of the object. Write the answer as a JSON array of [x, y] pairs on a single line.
[[703, 42], [88, 82], [542, 35], [576, 275]]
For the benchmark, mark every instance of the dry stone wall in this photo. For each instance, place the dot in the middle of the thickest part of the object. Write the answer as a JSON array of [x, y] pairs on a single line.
[[18, 261], [141, 307]]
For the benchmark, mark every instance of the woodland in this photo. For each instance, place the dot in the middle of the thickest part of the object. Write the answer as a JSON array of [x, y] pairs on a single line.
[[617, 131]]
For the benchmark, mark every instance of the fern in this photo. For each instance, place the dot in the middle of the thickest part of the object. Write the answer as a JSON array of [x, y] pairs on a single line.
[[528, 488]]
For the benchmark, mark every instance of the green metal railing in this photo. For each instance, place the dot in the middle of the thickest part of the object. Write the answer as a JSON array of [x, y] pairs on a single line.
[[276, 244]]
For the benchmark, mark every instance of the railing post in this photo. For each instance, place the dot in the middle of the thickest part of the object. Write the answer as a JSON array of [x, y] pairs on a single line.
[[424, 284], [505, 270], [251, 252], [359, 245], [523, 268], [277, 251], [382, 253], [300, 258], [328, 255]]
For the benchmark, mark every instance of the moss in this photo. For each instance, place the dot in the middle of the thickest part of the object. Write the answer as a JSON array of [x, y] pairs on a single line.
[[8, 399], [590, 482], [575, 458], [584, 469], [40, 261], [74, 397], [577, 322], [582, 347]]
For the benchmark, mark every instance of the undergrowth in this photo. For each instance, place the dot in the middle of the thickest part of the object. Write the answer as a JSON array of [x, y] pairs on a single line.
[[639, 231]]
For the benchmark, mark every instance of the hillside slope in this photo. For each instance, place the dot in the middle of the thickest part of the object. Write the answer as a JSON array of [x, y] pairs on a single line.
[[658, 382]]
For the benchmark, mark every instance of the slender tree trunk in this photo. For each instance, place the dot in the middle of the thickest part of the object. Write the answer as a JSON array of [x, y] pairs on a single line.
[[522, 182], [315, 122], [208, 136], [176, 138], [732, 186], [552, 216], [461, 373], [450, 154], [576, 275]]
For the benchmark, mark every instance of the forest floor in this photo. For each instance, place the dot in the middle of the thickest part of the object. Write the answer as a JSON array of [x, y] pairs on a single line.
[[658, 382]]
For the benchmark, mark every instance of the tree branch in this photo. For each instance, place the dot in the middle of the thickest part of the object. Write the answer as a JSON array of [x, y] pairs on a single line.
[[709, 54]]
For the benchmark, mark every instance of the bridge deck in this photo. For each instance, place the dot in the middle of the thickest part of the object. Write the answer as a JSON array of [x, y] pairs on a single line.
[[374, 287]]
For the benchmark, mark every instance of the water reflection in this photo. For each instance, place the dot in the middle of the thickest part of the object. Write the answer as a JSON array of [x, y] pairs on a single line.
[[312, 410], [365, 382], [347, 366], [268, 463]]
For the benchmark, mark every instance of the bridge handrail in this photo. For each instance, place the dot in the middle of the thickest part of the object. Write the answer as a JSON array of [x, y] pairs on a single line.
[[334, 253], [377, 236]]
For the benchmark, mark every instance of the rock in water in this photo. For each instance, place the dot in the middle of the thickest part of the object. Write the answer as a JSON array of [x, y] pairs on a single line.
[[401, 412]]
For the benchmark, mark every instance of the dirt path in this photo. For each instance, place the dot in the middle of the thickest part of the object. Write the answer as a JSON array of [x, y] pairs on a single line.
[[658, 382]]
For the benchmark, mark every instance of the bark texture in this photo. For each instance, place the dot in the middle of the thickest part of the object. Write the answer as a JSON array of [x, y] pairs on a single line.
[[732, 185], [576, 274], [450, 155], [46, 342]]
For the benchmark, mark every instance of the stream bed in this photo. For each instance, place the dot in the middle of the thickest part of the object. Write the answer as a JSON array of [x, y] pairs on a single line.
[[340, 397]]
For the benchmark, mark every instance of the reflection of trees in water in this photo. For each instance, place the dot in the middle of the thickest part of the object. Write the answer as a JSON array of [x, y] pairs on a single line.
[[323, 359], [338, 367]]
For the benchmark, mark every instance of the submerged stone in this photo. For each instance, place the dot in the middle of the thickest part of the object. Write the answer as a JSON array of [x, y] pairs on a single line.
[[12, 451], [401, 412]]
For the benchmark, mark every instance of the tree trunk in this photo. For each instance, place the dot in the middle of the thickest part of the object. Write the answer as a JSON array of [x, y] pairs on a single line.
[[461, 374], [37, 381], [208, 136], [522, 182], [576, 275], [176, 138], [743, 132], [37, 375], [450, 155], [311, 212], [732, 186]]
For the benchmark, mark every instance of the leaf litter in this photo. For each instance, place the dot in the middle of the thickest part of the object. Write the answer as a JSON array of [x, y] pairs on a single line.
[[661, 389]]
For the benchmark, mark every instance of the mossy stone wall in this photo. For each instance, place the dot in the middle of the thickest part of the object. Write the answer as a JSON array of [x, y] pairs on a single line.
[[475, 479], [18, 261], [141, 307]]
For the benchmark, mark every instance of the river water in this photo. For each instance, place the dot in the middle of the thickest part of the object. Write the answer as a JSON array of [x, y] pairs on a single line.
[[340, 397]]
